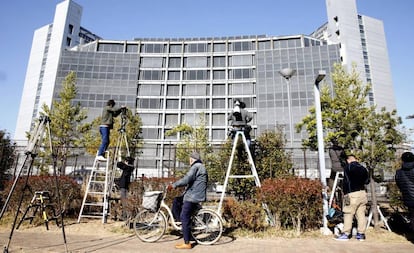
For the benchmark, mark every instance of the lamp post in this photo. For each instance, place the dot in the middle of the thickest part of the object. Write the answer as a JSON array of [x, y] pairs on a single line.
[[321, 149], [287, 73]]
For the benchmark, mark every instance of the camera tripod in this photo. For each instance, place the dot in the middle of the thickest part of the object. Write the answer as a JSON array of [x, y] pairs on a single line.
[[31, 152]]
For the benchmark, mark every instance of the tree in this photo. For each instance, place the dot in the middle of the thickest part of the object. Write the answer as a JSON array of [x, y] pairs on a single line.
[[193, 138], [66, 125], [7, 156], [270, 151], [353, 123]]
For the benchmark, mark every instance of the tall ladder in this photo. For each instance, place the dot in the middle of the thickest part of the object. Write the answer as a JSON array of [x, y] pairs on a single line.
[[240, 134], [95, 202], [101, 184]]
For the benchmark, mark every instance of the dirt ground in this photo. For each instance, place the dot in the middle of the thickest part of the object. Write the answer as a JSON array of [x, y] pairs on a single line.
[[94, 236]]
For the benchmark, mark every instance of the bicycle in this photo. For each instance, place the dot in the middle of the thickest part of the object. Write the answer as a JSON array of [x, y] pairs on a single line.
[[151, 225]]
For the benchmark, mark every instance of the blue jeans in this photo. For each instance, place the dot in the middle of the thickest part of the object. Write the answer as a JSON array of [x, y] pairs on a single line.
[[186, 212], [104, 131]]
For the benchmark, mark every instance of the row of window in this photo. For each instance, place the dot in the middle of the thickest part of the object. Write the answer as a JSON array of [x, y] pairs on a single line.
[[196, 74], [196, 61], [202, 89], [190, 103], [205, 47]]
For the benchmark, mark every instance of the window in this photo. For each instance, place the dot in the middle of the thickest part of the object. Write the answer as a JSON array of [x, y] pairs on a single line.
[[195, 48], [241, 46], [173, 75], [175, 48], [240, 60], [150, 118], [219, 103], [195, 89], [219, 61], [174, 62], [70, 29], [195, 62], [196, 75], [149, 103], [219, 47], [219, 90], [171, 119], [219, 74], [173, 90], [68, 41], [241, 89], [172, 103], [240, 73], [153, 48], [152, 62], [196, 103], [264, 45], [151, 75], [219, 119], [150, 89]]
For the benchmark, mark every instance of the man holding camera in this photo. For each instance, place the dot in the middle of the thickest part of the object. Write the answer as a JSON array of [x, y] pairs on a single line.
[[107, 123], [238, 120]]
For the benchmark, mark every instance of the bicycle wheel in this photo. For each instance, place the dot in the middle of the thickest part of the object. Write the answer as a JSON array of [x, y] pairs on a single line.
[[207, 227], [150, 226]]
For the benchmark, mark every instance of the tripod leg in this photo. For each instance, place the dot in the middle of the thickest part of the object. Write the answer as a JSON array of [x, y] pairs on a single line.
[[18, 208]]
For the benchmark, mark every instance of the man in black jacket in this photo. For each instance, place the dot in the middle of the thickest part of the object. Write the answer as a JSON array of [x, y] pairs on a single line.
[[127, 167], [404, 178], [356, 177]]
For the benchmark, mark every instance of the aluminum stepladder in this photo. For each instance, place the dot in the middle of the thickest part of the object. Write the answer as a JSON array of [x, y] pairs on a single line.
[[101, 184], [240, 134], [95, 202]]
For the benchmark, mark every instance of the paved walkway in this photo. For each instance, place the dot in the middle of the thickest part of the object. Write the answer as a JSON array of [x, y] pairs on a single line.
[[42, 241]]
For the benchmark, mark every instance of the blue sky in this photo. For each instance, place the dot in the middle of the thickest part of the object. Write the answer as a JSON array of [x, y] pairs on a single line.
[[128, 19]]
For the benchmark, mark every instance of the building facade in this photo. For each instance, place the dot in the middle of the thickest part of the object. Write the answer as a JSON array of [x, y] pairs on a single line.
[[173, 81]]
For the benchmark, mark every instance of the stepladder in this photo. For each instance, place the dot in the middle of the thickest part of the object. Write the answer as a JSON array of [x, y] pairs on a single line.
[[40, 203], [98, 191], [252, 174]]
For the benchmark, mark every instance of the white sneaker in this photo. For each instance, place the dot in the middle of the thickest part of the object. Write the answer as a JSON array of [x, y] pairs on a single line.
[[101, 158]]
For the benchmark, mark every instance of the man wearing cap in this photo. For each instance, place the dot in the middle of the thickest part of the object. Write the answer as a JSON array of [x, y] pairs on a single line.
[[195, 182], [404, 178], [127, 167]]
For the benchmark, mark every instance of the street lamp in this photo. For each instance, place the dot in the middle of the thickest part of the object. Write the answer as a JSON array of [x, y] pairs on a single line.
[[287, 73], [321, 149]]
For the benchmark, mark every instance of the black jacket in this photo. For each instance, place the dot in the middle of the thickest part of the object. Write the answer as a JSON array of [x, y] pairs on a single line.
[[404, 178], [356, 177], [126, 174]]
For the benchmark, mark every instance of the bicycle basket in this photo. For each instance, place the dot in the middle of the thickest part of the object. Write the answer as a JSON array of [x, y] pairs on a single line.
[[152, 200]]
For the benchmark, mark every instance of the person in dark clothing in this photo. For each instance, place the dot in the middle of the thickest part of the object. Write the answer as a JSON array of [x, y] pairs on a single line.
[[404, 178], [195, 182], [338, 161], [356, 177], [107, 123], [127, 168], [238, 120]]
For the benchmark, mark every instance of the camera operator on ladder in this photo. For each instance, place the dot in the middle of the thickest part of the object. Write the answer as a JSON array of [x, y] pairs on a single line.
[[107, 123], [238, 120]]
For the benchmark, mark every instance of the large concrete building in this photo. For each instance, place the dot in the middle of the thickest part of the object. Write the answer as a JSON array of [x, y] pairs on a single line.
[[171, 81]]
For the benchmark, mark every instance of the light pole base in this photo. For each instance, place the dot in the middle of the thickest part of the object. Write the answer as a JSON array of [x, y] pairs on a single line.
[[325, 231]]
